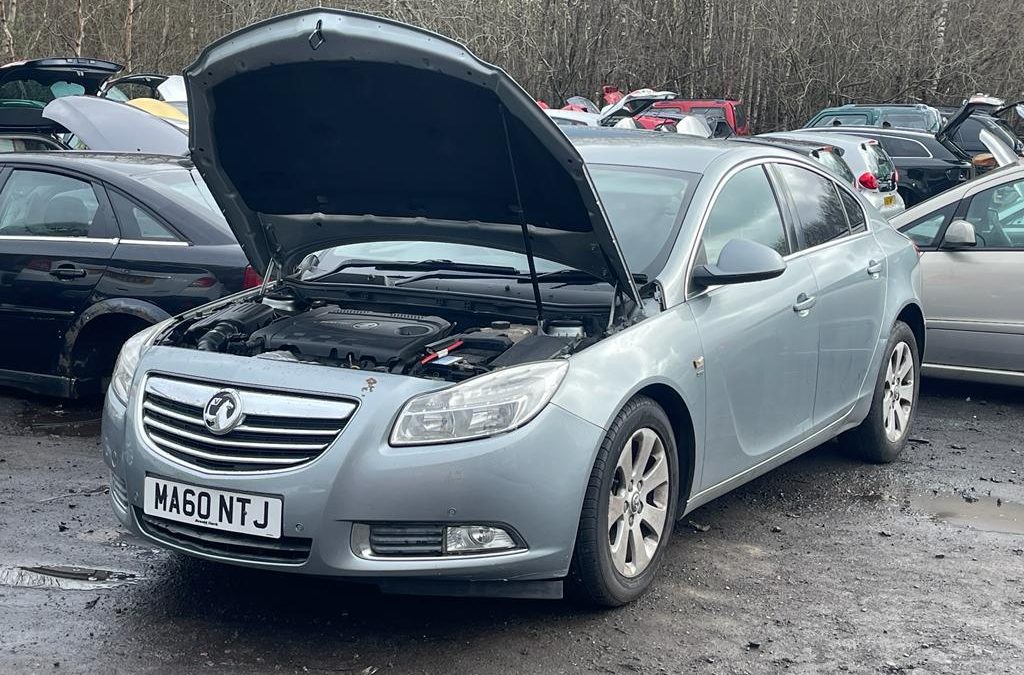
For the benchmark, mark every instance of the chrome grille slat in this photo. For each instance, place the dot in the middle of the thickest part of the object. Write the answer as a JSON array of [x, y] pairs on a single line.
[[168, 443], [278, 431], [227, 443]]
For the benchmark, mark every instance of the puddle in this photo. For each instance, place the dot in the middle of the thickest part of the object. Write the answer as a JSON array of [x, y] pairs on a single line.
[[990, 514], [64, 577], [63, 419]]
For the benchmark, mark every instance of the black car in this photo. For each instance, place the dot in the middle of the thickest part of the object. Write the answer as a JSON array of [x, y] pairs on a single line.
[[93, 248], [968, 135], [926, 166]]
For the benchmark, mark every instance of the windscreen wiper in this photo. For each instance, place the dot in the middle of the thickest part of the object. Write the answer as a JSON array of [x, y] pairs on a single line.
[[425, 265]]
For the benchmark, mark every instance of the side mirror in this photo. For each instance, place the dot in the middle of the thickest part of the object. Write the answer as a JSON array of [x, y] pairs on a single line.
[[1019, 109], [959, 234], [740, 261]]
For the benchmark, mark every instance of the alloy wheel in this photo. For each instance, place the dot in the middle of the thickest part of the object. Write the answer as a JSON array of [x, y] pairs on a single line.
[[898, 392], [638, 502]]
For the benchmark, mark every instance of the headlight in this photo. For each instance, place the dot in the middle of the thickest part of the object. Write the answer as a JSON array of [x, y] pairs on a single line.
[[483, 406], [128, 359]]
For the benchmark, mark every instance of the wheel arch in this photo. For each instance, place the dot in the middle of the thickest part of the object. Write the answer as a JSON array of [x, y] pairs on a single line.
[[912, 315], [121, 317], [672, 402]]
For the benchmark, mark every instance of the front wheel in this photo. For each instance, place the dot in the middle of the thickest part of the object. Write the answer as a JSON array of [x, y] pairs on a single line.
[[883, 434], [629, 507]]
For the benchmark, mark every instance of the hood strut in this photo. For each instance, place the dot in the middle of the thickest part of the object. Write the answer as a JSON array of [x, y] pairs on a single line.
[[527, 245]]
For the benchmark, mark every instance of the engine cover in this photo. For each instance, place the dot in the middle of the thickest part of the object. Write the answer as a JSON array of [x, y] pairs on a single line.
[[362, 339]]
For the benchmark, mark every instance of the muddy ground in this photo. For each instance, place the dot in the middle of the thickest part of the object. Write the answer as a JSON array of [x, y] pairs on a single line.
[[825, 565]]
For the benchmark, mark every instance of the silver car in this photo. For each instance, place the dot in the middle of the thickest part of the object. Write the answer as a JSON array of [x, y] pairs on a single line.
[[491, 356], [972, 244], [876, 175]]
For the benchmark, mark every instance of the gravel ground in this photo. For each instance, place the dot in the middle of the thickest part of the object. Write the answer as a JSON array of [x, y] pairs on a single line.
[[825, 565]]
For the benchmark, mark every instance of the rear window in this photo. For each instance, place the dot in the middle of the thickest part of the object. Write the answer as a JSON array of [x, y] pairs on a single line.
[[877, 160], [846, 119], [741, 116], [37, 91], [189, 184], [834, 163]]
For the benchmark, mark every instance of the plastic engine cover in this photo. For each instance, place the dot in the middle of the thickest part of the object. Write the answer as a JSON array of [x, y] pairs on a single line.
[[361, 338]]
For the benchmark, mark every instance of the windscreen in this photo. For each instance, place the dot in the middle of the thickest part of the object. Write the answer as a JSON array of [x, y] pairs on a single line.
[[835, 164], [878, 161]]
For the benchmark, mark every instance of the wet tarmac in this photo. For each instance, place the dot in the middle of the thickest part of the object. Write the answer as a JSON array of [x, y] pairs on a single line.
[[825, 565]]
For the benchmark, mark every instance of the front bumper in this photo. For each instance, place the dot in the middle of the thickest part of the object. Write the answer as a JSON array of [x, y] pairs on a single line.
[[532, 479]]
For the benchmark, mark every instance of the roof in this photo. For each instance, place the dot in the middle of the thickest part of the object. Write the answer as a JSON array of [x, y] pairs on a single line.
[[653, 149], [879, 106], [110, 163], [871, 131], [800, 145]]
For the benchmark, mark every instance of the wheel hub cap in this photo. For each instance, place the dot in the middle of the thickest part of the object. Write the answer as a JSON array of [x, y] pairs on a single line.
[[638, 502], [898, 397]]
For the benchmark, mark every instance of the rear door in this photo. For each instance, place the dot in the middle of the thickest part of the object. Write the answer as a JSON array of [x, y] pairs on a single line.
[[56, 237], [850, 268], [761, 345], [973, 296]]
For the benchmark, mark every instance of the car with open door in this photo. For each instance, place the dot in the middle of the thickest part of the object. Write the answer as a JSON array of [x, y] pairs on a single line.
[[510, 360], [972, 252], [95, 247]]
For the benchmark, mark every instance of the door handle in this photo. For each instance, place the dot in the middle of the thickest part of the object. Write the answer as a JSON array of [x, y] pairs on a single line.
[[874, 268], [68, 272], [804, 303]]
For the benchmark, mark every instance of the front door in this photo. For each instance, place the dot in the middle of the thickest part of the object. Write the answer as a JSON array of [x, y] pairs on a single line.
[[849, 267], [760, 339], [56, 236], [973, 297]]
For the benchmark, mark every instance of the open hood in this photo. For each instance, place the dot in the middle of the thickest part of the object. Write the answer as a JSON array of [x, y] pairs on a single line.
[[111, 126], [325, 127], [634, 103]]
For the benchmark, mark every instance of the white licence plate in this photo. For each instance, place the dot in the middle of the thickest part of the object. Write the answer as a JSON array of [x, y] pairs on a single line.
[[241, 512], [888, 200]]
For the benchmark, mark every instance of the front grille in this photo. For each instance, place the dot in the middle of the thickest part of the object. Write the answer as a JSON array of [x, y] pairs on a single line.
[[407, 540], [286, 550], [277, 431]]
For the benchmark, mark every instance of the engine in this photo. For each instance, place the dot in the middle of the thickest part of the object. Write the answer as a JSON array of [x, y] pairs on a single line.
[[423, 346]]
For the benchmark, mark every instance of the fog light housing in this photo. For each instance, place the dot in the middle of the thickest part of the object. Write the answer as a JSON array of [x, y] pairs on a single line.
[[477, 538]]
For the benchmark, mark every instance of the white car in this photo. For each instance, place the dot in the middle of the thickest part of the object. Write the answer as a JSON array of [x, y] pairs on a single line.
[[871, 165]]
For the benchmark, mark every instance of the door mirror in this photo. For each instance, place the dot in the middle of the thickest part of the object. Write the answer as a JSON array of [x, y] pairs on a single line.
[[740, 261], [959, 234], [1019, 109]]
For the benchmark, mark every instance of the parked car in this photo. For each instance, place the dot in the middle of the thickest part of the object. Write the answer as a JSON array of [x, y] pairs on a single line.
[[445, 425], [968, 136], [824, 153], [925, 165], [877, 177], [95, 247], [714, 109], [897, 116], [972, 243], [169, 88]]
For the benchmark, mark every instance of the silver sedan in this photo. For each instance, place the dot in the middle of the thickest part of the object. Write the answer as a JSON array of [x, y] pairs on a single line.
[[972, 244]]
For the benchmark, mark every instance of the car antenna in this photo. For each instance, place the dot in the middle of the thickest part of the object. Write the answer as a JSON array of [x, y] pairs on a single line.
[[522, 222]]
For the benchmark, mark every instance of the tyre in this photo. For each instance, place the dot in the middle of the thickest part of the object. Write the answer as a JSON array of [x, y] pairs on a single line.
[[629, 508], [883, 434]]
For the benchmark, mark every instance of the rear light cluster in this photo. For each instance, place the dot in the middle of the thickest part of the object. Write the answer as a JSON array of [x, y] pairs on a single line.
[[250, 279], [868, 180]]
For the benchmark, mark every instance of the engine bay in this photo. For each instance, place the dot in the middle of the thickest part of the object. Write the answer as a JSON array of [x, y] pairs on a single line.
[[452, 347]]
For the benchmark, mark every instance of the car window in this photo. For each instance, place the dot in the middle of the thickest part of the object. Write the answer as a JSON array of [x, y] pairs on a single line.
[[746, 208], [26, 145], [137, 223], [846, 119], [877, 160], [903, 147], [835, 164], [854, 212], [43, 204], [820, 212], [924, 231], [998, 216], [644, 207], [189, 184], [741, 116], [906, 120]]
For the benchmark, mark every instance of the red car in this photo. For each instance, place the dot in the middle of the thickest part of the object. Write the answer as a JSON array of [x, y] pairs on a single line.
[[728, 109]]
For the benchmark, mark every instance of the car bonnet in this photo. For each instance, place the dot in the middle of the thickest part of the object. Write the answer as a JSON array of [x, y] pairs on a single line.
[[325, 127]]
